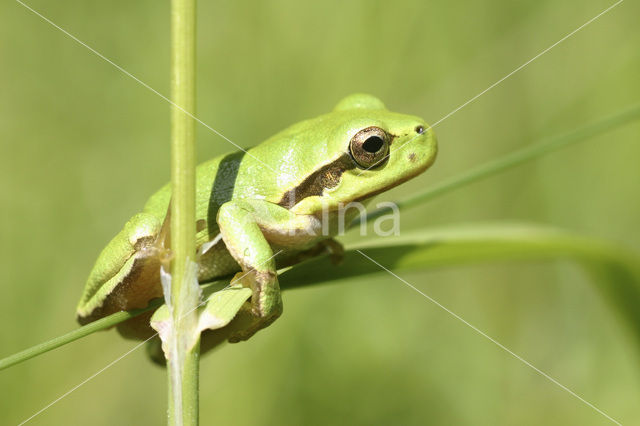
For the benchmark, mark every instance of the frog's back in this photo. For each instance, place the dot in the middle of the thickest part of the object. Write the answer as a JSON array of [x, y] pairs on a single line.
[[215, 185]]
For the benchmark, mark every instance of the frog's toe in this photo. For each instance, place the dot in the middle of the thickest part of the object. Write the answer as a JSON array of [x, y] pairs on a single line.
[[253, 322]]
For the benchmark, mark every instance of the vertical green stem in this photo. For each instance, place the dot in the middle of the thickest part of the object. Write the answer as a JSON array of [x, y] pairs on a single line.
[[183, 367]]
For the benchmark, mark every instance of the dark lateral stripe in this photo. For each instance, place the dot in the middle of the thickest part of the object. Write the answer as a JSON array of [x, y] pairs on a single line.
[[326, 177]]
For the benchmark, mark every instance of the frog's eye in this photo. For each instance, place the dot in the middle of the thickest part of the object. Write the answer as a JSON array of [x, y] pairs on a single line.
[[369, 147]]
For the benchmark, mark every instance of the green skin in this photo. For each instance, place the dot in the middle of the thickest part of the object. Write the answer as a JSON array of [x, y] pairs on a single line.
[[264, 209]]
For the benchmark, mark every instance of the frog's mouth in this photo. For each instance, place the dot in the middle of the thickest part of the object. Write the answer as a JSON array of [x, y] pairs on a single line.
[[406, 177]]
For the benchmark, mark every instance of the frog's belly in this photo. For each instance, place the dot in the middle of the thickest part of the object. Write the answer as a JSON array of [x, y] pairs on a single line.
[[215, 263]]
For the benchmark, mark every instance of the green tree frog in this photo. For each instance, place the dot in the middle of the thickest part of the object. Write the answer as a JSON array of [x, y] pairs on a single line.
[[263, 209]]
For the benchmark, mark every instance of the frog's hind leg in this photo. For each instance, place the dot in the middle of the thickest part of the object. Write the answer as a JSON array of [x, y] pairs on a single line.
[[126, 273]]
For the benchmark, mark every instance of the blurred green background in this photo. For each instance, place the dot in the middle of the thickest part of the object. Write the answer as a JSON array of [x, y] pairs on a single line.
[[83, 146]]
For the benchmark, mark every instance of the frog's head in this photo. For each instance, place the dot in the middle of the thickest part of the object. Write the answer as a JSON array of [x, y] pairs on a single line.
[[362, 149]]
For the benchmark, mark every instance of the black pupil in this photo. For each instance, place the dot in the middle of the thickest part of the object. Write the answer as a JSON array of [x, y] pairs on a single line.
[[373, 144]]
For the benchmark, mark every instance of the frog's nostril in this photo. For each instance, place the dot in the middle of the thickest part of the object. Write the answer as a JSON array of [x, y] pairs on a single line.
[[419, 130]]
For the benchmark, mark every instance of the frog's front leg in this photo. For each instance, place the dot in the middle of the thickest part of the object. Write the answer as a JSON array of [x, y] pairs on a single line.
[[248, 227]]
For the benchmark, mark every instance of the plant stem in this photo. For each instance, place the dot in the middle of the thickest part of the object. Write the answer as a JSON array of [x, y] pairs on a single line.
[[184, 353], [56, 342]]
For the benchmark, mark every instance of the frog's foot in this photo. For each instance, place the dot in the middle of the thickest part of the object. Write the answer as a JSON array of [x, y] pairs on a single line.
[[333, 248], [265, 306]]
